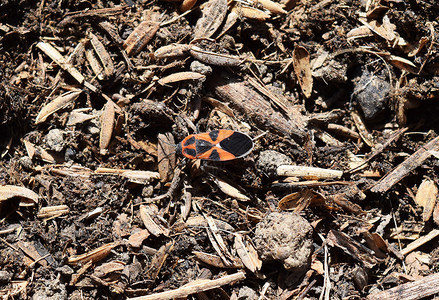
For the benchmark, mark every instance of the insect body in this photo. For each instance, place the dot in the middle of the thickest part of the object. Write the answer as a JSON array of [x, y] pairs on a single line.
[[218, 145]]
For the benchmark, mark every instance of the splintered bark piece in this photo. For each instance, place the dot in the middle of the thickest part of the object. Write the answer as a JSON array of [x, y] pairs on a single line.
[[420, 241], [213, 15], [418, 289], [404, 168], [147, 214], [60, 60], [65, 64], [308, 172], [140, 37], [194, 287], [257, 108], [135, 176]]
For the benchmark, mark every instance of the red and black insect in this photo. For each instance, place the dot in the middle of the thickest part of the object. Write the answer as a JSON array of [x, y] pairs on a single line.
[[217, 145]]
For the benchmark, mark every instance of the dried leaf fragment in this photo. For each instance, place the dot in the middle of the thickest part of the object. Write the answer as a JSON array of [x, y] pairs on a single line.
[[215, 260], [107, 125], [301, 200], [181, 76], [166, 156], [273, 7], [230, 190], [94, 63], [57, 104], [187, 4], [104, 56], [37, 152], [426, 197], [140, 37], [147, 214], [213, 15], [248, 254], [302, 68], [93, 255], [250, 12], [109, 271], [159, 259], [27, 197], [171, 51], [136, 239]]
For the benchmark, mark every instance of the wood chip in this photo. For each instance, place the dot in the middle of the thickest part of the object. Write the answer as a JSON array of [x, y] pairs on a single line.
[[136, 239], [352, 248], [301, 200], [420, 241], [272, 7], [213, 15], [250, 12], [50, 51], [251, 103], [187, 4]]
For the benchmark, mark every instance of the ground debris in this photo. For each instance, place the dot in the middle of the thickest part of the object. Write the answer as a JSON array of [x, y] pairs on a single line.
[[331, 195]]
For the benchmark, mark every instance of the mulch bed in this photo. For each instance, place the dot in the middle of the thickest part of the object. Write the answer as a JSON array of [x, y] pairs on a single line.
[[337, 198]]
